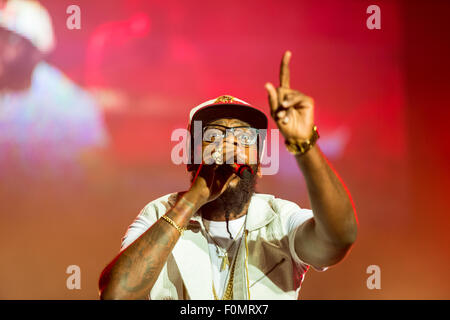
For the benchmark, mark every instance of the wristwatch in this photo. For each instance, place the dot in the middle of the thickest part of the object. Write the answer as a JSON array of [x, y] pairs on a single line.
[[300, 148]]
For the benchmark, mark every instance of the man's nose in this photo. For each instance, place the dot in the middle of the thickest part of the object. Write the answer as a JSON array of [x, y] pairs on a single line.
[[232, 147], [230, 138]]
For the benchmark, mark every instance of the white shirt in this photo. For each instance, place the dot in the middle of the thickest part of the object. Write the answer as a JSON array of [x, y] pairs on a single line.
[[268, 267], [218, 231]]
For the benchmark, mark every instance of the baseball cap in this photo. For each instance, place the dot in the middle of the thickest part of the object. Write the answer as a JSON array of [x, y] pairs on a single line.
[[227, 106]]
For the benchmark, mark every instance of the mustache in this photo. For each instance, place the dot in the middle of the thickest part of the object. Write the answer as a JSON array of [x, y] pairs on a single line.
[[233, 199], [243, 171]]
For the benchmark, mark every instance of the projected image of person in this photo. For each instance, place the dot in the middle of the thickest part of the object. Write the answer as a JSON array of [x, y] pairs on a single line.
[[46, 120]]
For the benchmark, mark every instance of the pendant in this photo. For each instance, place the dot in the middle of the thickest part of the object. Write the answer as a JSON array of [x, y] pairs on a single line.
[[225, 262]]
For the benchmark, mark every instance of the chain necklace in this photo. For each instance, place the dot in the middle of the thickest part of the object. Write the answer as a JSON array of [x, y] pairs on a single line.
[[228, 291], [223, 253], [228, 294]]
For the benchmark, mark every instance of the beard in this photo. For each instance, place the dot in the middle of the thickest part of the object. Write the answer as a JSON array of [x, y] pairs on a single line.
[[233, 200]]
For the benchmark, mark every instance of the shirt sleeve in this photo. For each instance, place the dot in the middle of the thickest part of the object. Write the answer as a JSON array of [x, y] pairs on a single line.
[[165, 286], [147, 217], [142, 223], [293, 223]]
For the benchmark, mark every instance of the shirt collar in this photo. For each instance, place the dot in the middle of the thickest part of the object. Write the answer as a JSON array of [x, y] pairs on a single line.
[[259, 212]]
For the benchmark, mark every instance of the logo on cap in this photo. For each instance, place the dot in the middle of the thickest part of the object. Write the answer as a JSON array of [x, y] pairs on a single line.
[[224, 99]]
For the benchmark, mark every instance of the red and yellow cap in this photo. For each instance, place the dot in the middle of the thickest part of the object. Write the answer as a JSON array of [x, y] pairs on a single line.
[[228, 107]]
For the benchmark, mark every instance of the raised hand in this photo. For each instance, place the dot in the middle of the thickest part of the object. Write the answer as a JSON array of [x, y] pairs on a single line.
[[292, 110]]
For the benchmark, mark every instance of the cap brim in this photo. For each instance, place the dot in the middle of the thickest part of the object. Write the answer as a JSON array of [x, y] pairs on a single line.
[[254, 117]]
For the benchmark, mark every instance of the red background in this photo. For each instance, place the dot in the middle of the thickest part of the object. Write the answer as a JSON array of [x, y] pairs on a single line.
[[381, 105]]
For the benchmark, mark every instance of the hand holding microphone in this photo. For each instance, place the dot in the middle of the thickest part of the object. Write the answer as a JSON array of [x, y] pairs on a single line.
[[239, 169], [235, 160], [213, 176]]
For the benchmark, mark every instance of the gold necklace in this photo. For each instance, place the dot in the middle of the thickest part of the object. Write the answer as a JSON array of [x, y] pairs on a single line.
[[223, 253], [228, 294]]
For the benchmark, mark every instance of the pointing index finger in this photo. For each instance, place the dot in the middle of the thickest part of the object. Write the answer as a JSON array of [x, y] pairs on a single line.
[[273, 98], [284, 70]]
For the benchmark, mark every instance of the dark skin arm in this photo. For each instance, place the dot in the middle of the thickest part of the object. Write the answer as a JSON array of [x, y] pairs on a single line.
[[132, 274], [325, 239]]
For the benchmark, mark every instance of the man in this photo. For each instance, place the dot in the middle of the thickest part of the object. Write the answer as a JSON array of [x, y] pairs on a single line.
[[220, 240], [47, 122]]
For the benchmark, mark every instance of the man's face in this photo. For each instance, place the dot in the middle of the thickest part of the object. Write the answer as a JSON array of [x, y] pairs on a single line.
[[9, 50], [234, 140], [17, 56], [240, 190]]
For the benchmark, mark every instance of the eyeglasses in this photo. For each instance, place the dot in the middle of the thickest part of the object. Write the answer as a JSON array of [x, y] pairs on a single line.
[[246, 136]]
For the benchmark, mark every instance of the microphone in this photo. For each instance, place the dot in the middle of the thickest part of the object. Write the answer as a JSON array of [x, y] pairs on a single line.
[[242, 170], [238, 169]]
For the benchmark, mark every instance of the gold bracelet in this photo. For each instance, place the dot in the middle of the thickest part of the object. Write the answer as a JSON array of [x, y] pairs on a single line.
[[180, 230], [300, 148]]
